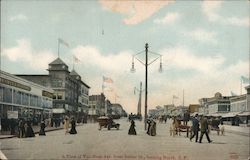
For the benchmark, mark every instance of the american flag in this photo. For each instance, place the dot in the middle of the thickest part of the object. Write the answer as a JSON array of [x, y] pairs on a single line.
[[107, 79]]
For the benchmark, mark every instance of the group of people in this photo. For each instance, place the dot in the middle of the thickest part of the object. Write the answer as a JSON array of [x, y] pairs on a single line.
[[202, 126], [25, 129], [151, 128], [66, 122]]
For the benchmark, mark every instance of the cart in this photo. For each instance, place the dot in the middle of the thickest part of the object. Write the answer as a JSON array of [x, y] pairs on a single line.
[[107, 122]]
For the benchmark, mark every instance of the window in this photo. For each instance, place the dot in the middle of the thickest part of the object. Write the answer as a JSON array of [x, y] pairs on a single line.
[[59, 96], [7, 95]]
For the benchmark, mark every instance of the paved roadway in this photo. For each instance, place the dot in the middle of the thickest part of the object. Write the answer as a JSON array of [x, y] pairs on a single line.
[[92, 144]]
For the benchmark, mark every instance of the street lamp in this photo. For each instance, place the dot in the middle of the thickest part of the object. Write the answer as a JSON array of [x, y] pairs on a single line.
[[146, 64]]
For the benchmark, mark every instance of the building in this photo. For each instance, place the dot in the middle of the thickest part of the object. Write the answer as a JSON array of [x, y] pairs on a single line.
[[118, 111], [216, 105], [193, 108], [96, 106], [70, 93], [168, 109], [20, 98]]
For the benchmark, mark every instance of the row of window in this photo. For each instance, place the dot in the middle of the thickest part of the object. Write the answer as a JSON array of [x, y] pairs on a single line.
[[23, 98]]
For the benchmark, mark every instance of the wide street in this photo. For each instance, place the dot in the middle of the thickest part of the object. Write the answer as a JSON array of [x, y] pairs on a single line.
[[92, 144]]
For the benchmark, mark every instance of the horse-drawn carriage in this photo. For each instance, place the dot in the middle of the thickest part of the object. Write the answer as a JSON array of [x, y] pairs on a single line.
[[107, 122]]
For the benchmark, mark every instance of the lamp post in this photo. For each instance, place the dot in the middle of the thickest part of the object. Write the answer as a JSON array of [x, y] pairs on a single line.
[[146, 64]]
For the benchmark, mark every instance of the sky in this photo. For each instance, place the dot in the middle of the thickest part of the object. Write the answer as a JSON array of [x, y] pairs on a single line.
[[204, 45]]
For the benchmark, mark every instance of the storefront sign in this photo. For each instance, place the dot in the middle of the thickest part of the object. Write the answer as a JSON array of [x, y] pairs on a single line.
[[47, 94], [12, 114], [14, 84]]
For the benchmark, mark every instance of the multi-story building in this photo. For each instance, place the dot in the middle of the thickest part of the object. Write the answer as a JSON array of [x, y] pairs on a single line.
[[117, 110], [20, 98], [70, 92], [215, 105], [96, 106]]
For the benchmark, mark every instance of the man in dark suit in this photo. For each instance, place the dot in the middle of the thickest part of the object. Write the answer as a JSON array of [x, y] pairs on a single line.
[[204, 129], [195, 128]]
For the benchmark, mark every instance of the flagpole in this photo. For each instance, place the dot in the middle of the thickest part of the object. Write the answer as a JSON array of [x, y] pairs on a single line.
[[58, 46], [183, 98], [241, 87], [73, 63]]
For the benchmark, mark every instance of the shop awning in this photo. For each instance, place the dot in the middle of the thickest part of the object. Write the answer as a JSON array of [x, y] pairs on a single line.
[[58, 110], [247, 113], [230, 114]]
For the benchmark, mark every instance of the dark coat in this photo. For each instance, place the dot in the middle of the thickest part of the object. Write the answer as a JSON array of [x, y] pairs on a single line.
[[73, 127], [42, 130], [29, 131], [195, 126], [132, 130], [204, 125]]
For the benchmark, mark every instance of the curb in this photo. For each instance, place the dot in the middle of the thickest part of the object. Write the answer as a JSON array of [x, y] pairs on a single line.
[[36, 132]]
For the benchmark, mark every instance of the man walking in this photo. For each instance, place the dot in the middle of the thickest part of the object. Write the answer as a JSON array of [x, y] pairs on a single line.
[[195, 128], [204, 129]]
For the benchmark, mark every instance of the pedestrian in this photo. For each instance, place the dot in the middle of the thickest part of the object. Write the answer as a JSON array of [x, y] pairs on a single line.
[[21, 129], [12, 126], [42, 129], [29, 130], [204, 129], [149, 123], [195, 128], [152, 129], [132, 130], [73, 126], [66, 124]]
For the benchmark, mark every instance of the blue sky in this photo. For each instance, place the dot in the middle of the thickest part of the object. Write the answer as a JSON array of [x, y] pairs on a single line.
[[204, 44]]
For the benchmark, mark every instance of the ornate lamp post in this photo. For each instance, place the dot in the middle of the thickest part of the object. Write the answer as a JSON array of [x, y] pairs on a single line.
[[146, 64]]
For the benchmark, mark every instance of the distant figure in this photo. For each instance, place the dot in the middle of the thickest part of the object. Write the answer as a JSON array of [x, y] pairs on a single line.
[[21, 129], [29, 130], [132, 130], [152, 129], [195, 128], [66, 124], [73, 126], [149, 123], [42, 129], [204, 129]]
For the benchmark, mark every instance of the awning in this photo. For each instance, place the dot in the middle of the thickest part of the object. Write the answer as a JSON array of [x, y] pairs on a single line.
[[215, 114], [58, 110], [231, 114], [247, 113]]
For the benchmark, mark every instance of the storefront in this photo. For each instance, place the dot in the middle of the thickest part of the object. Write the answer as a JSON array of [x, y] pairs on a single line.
[[20, 98]]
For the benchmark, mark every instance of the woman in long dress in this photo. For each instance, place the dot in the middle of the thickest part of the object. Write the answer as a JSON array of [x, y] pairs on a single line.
[[73, 127], [66, 124], [42, 129], [132, 130]]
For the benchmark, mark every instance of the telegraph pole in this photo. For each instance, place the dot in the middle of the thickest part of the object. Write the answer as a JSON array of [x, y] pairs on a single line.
[[146, 88]]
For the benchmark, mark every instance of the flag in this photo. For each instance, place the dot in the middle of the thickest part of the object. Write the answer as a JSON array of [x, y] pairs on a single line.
[[244, 80], [76, 60], [63, 42], [233, 94], [107, 79], [175, 97]]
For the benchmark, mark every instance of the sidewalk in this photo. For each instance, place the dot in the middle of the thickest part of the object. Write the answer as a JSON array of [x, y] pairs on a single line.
[[35, 128], [245, 131]]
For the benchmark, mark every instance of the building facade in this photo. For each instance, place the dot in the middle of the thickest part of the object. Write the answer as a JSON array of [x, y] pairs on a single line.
[[20, 98], [96, 106], [70, 93]]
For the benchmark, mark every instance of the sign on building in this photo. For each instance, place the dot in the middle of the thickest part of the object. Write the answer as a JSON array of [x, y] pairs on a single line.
[[12, 114]]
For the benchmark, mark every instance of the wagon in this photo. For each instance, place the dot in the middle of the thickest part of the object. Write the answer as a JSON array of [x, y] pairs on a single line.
[[107, 122]]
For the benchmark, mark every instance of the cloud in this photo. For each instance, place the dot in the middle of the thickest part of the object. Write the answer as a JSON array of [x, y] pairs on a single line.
[[244, 22], [203, 36], [136, 11], [23, 52], [168, 19], [19, 17], [182, 58], [211, 8]]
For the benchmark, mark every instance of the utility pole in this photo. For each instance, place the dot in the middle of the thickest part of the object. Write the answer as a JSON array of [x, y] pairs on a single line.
[[139, 102], [146, 88]]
